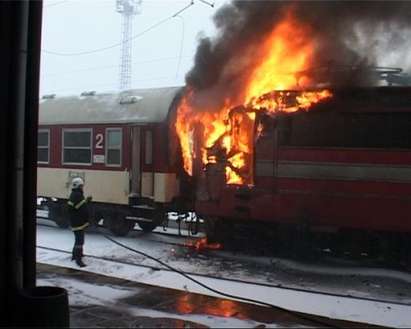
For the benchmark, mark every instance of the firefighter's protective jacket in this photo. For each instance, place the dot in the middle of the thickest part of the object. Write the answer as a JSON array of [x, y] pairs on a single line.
[[78, 210]]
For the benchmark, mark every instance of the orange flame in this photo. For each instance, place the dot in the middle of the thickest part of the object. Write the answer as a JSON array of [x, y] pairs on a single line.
[[194, 303], [232, 177], [306, 99], [202, 244], [287, 49], [282, 101], [185, 130]]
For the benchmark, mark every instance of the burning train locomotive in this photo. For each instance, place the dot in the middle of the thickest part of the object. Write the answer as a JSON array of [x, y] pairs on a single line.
[[342, 168], [273, 131], [256, 137]]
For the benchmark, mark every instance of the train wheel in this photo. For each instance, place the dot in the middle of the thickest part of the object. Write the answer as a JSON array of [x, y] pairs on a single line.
[[216, 230], [406, 251], [211, 229], [118, 225], [95, 219], [95, 216], [303, 243], [147, 226]]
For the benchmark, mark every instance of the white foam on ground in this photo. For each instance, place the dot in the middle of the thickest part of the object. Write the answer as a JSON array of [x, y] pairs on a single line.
[[343, 308]]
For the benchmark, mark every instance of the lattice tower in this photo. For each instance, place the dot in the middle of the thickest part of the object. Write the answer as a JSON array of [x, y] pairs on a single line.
[[128, 9]]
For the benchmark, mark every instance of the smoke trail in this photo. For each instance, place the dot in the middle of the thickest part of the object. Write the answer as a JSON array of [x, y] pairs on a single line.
[[345, 32]]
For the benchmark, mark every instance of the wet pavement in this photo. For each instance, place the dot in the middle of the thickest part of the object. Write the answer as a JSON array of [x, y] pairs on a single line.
[[103, 301]]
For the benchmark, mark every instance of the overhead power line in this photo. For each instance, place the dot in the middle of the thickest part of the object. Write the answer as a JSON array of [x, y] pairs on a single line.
[[119, 43], [180, 54], [181, 10], [104, 67], [211, 4], [55, 4]]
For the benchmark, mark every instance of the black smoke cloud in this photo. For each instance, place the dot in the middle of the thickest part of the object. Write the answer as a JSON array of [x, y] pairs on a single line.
[[345, 32]]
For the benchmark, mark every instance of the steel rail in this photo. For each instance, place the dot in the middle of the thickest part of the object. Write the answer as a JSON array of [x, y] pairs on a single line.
[[142, 233], [132, 230]]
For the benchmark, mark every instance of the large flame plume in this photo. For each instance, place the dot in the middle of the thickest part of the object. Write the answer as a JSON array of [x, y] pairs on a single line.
[[271, 68]]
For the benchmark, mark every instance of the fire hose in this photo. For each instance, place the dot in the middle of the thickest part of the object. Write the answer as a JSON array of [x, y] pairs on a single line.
[[245, 299]]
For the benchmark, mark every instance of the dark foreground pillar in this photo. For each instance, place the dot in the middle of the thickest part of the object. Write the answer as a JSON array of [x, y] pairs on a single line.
[[42, 307]]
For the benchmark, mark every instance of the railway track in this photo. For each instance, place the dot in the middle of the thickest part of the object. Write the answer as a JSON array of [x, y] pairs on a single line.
[[259, 250], [267, 285], [140, 233], [170, 232], [165, 237]]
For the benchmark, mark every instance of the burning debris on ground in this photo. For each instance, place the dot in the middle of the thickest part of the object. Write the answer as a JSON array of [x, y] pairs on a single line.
[[262, 61], [202, 244]]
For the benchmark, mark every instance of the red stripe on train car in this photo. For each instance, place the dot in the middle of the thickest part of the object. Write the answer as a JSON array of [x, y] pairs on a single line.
[[363, 188], [345, 155]]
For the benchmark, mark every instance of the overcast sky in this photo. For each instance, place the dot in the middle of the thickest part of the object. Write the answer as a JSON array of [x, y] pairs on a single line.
[[75, 26]]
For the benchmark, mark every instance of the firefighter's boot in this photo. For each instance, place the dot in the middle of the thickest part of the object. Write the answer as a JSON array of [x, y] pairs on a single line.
[[78, 255], [73, 254]]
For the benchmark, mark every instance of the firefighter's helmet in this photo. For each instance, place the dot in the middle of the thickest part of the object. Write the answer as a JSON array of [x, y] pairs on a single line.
[[77, 182]]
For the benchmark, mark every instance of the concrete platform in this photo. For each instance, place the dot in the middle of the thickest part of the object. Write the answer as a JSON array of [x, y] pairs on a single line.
[[143, 306]]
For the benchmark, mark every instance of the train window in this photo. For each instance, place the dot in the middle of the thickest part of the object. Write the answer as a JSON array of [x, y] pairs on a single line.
[[284, 129], [43, 146], [77, 146], [148, 156], [113, 146], [264, 136], [357, 130]]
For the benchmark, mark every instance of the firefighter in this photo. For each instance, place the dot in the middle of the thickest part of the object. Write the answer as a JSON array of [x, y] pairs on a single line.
[[79, 216]]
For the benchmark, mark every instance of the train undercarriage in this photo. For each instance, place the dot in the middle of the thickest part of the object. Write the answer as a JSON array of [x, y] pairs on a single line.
[[121, 219], [310, 243]]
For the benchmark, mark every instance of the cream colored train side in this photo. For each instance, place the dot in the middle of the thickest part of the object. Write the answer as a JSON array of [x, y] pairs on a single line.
[[119, 145]]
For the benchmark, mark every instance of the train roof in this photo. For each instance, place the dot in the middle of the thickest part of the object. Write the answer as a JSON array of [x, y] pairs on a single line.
[[137, 106]]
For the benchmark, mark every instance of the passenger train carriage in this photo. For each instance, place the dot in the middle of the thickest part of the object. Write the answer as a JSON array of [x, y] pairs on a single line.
[[118, 145]]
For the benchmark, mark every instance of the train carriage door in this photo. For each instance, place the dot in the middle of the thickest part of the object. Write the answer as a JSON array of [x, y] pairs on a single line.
[[147, 178], [136, 161], [266, 151]]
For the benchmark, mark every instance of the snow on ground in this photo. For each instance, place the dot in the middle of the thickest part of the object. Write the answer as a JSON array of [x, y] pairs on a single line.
[[83, 293], [336, 269], [386, 314], [207, 320], [234, 263], [86, 294]]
